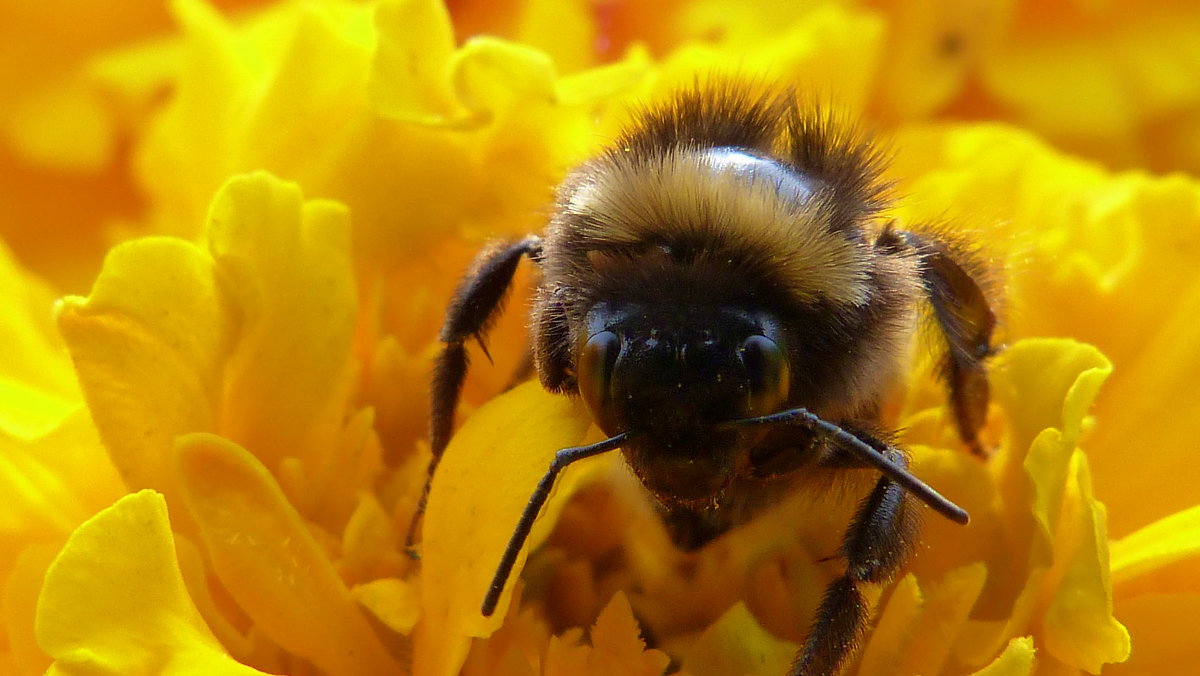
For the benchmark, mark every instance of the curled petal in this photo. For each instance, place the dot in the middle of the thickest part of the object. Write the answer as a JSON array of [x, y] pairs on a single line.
[[148, 346], [114, 601], [1079, 625]]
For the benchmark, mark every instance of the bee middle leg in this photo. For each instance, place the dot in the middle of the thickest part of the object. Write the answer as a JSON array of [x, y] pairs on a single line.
[[875, 545]]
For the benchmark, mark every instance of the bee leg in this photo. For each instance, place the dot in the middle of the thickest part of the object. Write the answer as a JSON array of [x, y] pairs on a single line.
[[875, 546], [965, 317], [476, 304]]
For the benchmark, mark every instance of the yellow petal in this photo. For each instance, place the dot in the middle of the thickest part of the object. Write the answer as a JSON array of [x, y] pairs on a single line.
[[1152, 557], [1046, 386], [287, 264], [482, 484], [189, 150], [269, 562], [514, 650], [114, 602], [604, 83], [828, 50], [1016, 660], [565, 31], [19, 606], [1114, 66], [967, 482], [309, 88], [919, 629], [65, 125], [1163, 629], [148, 345], [394, 602], [737, 644], [1162, 360], [53, 484], [893, 630], [37, 386], [944, 610], [410, 73], [369, 536], [1079, 625], [1049, 383], [617, 645], [931, 47], [492, 75], [564, 655]]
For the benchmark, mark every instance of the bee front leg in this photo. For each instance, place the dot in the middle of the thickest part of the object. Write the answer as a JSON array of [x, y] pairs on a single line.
[[954, 286], [476, 303], [877, 543]]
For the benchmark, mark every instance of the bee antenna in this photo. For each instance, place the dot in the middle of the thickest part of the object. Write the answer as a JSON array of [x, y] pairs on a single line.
[[540, 494], [867, 454]]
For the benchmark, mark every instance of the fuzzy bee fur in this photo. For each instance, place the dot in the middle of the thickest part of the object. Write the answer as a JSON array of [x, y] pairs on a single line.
[[720, 287]]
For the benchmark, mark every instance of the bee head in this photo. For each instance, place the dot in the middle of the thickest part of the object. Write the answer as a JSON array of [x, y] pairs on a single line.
[[671, 378]]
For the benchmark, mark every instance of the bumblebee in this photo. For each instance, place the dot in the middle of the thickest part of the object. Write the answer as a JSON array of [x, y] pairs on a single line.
[[720, 287]]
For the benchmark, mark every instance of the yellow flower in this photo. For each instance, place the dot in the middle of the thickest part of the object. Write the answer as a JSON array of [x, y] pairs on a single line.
[[210, 460]]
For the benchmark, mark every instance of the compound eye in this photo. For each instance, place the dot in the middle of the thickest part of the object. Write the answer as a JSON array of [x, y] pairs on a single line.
[[767, 371], [594, 374]]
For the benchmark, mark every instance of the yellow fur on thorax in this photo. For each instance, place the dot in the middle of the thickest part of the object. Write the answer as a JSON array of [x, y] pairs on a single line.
[[678, 195]]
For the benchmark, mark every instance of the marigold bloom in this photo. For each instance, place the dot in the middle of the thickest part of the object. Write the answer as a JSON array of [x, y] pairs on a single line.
[[210, 460]]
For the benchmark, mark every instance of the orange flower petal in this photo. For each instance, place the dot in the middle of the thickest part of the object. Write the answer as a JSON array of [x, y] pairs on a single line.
[[1032, 473], [369, 536], [268, 560], [114, 601], [1046, 387], [482, 484]]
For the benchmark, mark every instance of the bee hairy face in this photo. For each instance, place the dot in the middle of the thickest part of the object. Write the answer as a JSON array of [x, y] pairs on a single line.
[[675, 377], [721, 289]]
